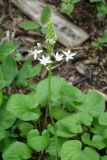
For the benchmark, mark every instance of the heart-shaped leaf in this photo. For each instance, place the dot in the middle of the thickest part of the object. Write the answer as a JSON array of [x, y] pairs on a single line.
[[17, 151], [23, 107], [93, 104], [6, 118], [8, 71], [71, 150], [6, 49], [37, 142]]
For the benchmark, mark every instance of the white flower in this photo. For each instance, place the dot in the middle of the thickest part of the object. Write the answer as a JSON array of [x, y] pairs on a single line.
[[45, 60], [58, 57], [35, 53], [68, 55], [39, 45]]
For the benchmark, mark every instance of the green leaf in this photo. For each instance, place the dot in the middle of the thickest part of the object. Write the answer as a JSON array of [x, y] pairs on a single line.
[[29, 25], [42, 91], [60, 131], [51, 149], [95, 1], [24, 128], [67, 7], [55, 113], [23, 107], [103, 157], [46, 13], [35, 71], [99, 129], [6, 49], [103, 119], [1, 98], [73, 123], [99, 142], [2, 134], [75, 1], [71, 96], [6, 118], [50, 158], [24, 74], [71, 150], [17, 151], [94, 104], [27, 71], [101, 7], [37, 142], [86, 139], [8, 71]]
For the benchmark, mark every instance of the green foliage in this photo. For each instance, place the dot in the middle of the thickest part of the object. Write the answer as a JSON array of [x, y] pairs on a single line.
[[81, 123], [46, 13], [67, 6], [23, 107], [71, 150], [98, 43], [29, 25], [8, 72], [6, 49], [36, 141], [17, 151], [26, 72]]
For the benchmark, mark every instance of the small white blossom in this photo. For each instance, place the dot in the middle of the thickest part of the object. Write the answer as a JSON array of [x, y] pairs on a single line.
[[58, 57], [39, 45], [44, 60], [35, 53], [68, 55]]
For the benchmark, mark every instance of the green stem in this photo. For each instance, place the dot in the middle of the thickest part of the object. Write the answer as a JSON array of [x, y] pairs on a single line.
[[49, 103]]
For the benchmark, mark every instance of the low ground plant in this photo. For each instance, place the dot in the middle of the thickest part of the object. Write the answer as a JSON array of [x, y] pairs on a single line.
[[54, 120]]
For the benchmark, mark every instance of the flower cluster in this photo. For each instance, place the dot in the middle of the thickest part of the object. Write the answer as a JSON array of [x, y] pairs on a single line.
[[38, 54]]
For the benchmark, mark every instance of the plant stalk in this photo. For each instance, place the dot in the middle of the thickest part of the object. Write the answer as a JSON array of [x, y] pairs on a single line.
[[49, 102]]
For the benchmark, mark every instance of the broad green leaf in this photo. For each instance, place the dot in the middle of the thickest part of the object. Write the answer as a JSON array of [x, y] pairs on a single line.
[[95, 1], [24, 74], [23, 107], [29, 25], [50, 158], [42, 91], [6, 118], [103, 119], [86, 139], [67, 7], [2, 134], [27, 71], [71, 96], [101, 7], [73, 123], [55, 113], [6, 49], [46, 13], [103, 157], [35, 70], [93, 104], [1, 98], [71, 150], [99, 129], [61, 131], [75, 1], [51, 149], [8, 71], [99, 142], [17, 151], [6, 142], [36, 141], [24, 128]]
